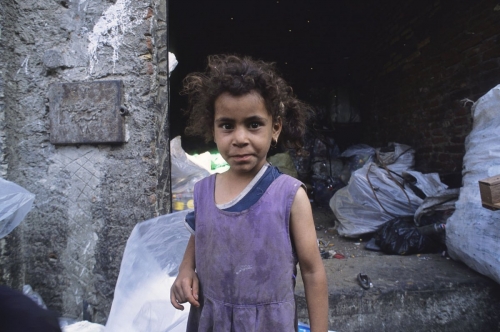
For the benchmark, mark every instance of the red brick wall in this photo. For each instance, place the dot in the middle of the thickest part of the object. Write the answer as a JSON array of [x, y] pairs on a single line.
[[421, 60]]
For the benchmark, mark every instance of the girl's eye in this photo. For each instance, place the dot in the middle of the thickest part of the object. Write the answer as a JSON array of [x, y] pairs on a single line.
[[226, 126], [254, 125]]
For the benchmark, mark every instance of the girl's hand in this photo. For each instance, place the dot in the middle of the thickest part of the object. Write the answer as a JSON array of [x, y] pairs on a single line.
[[186, 285], [185, 289]]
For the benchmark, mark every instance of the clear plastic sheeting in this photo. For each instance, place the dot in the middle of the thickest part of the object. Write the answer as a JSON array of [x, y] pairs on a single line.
[[15, 203], [184, 172], [149, 266], [472, 232]]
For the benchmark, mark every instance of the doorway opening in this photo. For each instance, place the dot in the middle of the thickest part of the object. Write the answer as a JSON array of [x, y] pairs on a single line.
[[313, 44]]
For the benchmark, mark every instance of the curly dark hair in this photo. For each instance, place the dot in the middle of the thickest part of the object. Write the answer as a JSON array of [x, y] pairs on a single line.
[[238, 76]]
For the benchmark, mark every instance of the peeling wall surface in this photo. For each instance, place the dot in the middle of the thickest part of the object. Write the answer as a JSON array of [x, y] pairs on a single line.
[[88, 196]]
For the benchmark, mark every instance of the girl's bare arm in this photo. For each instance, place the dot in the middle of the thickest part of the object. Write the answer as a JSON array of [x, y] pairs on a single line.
[[186, 285], [311, 265]]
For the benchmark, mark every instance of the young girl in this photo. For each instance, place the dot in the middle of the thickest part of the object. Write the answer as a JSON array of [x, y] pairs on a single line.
[[251, 224]]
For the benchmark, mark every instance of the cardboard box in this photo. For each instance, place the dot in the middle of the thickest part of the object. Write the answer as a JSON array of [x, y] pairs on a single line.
[[490, 192]]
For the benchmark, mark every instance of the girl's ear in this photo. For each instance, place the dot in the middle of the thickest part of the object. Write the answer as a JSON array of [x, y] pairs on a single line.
[[277, 125]]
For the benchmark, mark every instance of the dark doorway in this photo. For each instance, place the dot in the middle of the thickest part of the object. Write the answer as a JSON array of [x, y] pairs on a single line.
[[312, 42]]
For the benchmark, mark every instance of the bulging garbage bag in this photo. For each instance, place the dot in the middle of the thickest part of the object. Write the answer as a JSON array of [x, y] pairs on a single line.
[[15, 203], [370, 199], [149, 266], [375, 195], [472, 231], [401, 236]]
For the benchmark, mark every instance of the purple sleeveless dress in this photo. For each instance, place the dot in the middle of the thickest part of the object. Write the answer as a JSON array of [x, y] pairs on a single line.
[[245, 262]]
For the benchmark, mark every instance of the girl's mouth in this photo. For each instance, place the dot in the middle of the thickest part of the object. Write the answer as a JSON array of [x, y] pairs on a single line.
[[242, 158]]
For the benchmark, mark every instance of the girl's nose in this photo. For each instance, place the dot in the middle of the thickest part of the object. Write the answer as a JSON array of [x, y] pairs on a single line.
[[240, 137]]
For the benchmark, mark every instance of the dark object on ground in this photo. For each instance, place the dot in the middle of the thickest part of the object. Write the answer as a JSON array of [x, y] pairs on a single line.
[[20, 313], [364, 281], [324, 254], [401, 236], [432, 230]]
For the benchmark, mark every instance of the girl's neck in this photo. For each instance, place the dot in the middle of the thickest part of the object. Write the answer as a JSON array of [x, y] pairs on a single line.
[[229, 185]]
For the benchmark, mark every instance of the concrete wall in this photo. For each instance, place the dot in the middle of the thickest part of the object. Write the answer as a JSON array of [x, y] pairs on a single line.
[[421, 60], [88, 197]]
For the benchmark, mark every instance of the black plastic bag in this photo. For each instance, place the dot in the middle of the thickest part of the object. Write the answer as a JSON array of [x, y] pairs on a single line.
[[401, 236]]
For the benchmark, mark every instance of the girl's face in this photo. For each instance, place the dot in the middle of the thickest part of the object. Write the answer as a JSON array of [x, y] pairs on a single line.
[[243, 131]]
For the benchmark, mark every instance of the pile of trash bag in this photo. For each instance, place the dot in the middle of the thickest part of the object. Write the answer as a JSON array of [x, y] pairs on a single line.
[[376, 194], [405, 210], [425, 232]]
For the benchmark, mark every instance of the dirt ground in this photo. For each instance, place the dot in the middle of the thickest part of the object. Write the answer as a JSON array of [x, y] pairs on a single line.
[[330, 241], [348, 257]]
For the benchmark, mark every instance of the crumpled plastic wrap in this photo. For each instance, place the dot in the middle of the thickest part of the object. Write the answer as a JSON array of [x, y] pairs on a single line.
[[149, 266], [15, 203], [472, 232]]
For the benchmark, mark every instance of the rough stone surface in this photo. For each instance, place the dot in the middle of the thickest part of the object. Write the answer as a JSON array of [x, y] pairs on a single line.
[[2, 103], [88, 197]]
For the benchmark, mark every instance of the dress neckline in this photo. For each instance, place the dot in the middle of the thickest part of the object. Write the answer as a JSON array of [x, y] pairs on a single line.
[[244, 192]]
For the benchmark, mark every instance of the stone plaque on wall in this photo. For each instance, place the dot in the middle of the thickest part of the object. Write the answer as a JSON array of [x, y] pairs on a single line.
[[88, 112]]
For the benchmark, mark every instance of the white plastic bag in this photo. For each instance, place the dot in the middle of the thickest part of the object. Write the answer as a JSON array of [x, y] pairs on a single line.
[[15, 203], [149, 266], [472, 232], [83, 326], [357, 156], [397, 157], [172, 62], [372, 197]]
